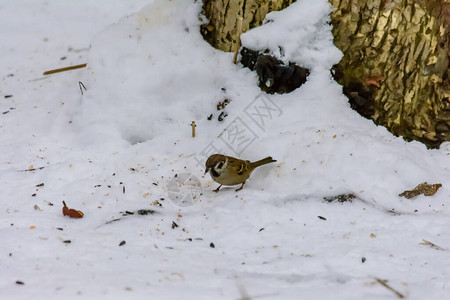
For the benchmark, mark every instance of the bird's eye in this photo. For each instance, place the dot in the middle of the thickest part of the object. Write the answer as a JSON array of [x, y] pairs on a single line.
[[220, 165]]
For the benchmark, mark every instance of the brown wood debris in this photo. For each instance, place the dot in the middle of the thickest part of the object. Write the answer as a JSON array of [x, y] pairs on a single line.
[[423, 188]]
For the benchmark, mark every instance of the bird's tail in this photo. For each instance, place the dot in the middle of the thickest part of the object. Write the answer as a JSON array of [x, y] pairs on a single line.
[[263, 161]]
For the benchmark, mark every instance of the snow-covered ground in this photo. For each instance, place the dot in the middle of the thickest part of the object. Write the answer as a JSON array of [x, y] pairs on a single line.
[[119, 146]]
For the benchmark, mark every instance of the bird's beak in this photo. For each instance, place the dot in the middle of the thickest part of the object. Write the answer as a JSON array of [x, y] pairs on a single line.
[[207, 170]]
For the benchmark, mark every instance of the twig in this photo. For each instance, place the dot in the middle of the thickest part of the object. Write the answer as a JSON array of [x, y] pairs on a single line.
[[238, 40], [193, 128], [31, 169], [383, 283], [142, 212], [64, 69], [432, 245], [80, 84]]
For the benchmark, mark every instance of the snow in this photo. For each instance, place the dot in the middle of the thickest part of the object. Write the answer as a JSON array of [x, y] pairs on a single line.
[[118, 146]]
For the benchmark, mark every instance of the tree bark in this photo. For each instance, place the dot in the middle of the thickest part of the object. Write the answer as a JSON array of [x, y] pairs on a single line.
[[395, 67], [223, 15]]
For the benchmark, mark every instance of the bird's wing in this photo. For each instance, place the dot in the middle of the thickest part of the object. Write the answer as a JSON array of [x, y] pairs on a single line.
[[240, 166]]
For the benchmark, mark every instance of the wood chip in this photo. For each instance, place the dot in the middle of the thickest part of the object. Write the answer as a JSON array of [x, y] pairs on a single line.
[[423, 188]]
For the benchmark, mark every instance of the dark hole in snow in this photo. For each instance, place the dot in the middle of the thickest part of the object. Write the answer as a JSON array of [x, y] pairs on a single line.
[[359, 96], [274, 75]]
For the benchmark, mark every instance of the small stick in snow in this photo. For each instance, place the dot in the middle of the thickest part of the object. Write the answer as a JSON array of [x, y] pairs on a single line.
[[238, 40], [193, 128], [31, 169], [112, 221], [432, 245], [64, 69], [80, 84], [383, 283]]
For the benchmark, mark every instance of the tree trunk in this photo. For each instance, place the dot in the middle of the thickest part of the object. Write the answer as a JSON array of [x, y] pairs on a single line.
[[395, 68], [223, 15]]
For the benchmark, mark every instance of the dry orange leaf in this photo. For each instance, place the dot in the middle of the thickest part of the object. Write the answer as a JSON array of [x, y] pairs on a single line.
[[71, 212]]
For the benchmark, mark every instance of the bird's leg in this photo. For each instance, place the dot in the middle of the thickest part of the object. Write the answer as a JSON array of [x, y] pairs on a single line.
[[242, 186], [217, 190]]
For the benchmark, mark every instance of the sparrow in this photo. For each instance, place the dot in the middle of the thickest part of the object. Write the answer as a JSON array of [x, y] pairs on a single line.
[[227, 170]]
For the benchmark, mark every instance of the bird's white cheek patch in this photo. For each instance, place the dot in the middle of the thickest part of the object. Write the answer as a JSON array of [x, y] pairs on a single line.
[[222, 168]]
